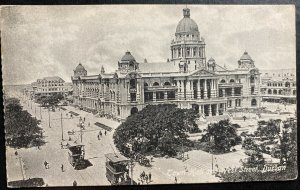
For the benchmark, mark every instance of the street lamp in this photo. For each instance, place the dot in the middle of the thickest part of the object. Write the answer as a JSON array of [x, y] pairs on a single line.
[[41, 111], [49, 116], [62, 129]]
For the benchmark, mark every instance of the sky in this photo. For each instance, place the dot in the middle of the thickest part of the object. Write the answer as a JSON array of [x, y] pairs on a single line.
[[41, 41]]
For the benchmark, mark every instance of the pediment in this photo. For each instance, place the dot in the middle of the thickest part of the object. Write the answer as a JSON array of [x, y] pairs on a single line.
[[202, 72]]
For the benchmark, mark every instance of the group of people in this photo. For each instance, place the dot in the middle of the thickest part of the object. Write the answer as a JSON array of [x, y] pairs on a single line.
[[47, 166], [100, 134], [145, 178], [122, 178]]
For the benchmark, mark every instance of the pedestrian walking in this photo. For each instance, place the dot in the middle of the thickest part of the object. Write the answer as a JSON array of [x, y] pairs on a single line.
[[74, 183], [146, 178], [98, 137], [175, 179], [46, 164], [149, 176], [62, 168], [244, 118], [100, 133], [84, 119], [105, 132], [89, 124], [16, 153]]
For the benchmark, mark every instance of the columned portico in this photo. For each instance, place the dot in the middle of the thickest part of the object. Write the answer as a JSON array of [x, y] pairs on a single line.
[[205, 89]]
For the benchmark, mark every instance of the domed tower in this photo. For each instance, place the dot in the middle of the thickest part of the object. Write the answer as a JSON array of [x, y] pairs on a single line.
[[128, 63], [246, 61], [80, 71], [187, 44]]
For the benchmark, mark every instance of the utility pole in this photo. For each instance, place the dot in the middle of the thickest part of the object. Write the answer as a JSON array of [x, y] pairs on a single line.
[[62, 129], [21, 166], [41, 112], [131, 171], [49, 117], [212, 164], [80, 134]]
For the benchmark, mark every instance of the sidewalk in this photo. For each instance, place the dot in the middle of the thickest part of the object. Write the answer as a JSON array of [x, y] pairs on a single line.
[[13, 165]]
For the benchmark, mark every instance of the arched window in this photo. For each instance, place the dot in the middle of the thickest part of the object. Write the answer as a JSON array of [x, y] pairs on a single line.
[[269, 91], [222, 81], [252, 79], [253, 102], [231, 81], [167, 84], [131, 66], [274, 91], [294, 92], [145, 84], [155, 84], [133, 110], [132, 83], [287, 84], [280, 92]]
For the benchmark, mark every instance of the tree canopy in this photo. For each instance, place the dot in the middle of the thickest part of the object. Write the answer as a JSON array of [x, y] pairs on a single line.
[[221, 136], [49, 101], [157, 129], [288, 161], [21, 129]]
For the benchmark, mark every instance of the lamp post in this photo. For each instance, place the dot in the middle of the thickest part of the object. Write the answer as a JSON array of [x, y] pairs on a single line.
[[41, 111], [49, 116], [62, 129]]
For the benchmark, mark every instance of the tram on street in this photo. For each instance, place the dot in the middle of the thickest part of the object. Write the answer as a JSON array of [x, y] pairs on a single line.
[[76, 156], [117, 169]]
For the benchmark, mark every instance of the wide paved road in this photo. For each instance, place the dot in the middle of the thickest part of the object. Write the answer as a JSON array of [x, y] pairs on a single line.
[[163, 170]]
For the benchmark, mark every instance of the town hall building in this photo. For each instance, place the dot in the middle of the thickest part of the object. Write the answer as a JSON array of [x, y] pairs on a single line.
[[188, 80]]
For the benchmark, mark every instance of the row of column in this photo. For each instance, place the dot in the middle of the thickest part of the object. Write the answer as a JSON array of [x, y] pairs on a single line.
[[138, 95], [188, 90], [182, 52]]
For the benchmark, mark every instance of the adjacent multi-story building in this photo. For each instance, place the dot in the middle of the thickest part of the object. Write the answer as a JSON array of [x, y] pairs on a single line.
[[51, 85], [187, 80], [279, 85]]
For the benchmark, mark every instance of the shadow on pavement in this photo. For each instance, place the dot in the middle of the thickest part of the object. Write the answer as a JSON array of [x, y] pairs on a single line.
[[84, 165], [34, 182]]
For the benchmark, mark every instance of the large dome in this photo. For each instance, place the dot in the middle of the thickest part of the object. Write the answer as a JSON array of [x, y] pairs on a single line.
[[186, 24], [245, 56], [80, 68], [127, 57]]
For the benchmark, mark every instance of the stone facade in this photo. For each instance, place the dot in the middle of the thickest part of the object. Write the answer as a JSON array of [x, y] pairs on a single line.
[[187, 80], [279, 85], [50, 85]]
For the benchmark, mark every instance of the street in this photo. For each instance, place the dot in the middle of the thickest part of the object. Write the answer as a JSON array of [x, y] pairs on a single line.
[[198, 168]]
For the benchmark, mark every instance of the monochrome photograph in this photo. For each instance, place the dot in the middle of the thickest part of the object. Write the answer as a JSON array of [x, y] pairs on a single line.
[[105, 95]]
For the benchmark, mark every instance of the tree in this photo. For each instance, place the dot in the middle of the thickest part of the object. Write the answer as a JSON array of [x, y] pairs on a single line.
[[269, 129], [222, 135], [157, 129], [21, 129], [50, 101], [287, 166]]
